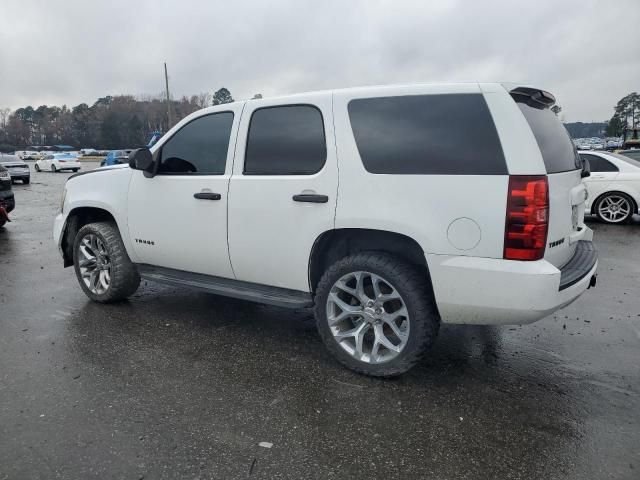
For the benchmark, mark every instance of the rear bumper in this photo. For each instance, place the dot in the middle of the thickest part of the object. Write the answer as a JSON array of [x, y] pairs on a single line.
[[486, 291]]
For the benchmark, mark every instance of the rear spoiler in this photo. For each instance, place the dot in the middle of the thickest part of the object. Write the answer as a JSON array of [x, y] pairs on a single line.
[[533, 97]]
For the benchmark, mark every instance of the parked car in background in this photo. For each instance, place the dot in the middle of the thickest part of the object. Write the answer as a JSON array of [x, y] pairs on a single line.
[[57, 162], [613, 186], [116, 157], [362, 202], [26, 154], [16, 167], [89, 151], [7, 200], [633, 153]]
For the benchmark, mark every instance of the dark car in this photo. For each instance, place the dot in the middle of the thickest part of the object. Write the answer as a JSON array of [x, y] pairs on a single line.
[[7, 201], [16, 167]]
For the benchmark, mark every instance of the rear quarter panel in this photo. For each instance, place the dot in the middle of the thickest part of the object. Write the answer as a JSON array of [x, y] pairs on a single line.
[[422, 207]]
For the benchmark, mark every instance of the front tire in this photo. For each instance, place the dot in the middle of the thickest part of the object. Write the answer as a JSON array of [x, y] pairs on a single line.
[[376, 313], [615, 208], [53, 169], [37, 167], [103, 268], [26, 181]]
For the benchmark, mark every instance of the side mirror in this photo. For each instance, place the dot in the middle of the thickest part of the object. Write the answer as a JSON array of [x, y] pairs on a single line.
[[141, 159], [586, 169]]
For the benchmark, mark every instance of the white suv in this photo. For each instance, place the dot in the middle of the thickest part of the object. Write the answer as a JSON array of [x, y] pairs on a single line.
[[391, 209]]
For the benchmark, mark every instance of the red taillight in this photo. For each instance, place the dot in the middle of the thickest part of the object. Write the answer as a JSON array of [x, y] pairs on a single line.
[[525, 233]]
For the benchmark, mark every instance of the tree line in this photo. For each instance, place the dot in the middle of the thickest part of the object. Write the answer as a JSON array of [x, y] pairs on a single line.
[[125, 121], [626, 115], [121, 121]]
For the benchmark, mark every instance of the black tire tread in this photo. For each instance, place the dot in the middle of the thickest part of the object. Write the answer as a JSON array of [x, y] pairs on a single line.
[[415, 289], [125, 278]]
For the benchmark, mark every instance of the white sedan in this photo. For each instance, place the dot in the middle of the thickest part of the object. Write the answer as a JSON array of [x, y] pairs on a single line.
[[613, 187], [58, 161]]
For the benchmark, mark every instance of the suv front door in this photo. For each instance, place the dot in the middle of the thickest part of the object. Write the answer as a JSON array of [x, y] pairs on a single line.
[[283, 190], [178, 218]]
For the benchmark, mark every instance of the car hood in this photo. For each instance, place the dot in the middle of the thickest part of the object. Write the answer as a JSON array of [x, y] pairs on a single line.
[[100, 170]]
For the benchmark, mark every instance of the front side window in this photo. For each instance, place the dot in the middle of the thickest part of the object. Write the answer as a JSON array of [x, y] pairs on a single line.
[[448, 134], [286, 140], [198, 148], [599, 164]]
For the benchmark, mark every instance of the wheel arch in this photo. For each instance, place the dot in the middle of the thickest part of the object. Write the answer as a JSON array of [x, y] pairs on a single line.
[[333, 245], [77, 218]]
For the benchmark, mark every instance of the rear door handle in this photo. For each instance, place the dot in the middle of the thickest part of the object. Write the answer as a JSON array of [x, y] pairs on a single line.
[[207, 196], [310, 198]]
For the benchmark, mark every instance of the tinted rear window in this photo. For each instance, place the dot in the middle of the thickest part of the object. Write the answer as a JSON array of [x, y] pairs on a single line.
[[450, 134], [285, 140], [558, 152], [599, 164]]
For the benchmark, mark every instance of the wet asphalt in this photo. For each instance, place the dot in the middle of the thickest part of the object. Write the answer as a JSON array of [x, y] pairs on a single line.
[[181, 384]]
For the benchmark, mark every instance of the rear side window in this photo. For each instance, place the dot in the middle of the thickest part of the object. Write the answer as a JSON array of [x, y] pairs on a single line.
[[558, 152], [599, 164], [287, 140], [450, 134], [200, 147]]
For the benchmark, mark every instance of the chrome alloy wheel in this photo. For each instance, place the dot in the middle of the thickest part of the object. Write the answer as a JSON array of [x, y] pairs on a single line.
[[368, 317], [614, 208], [94, 264]]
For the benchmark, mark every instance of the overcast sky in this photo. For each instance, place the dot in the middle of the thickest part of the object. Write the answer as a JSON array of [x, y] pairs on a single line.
[[586, 52]]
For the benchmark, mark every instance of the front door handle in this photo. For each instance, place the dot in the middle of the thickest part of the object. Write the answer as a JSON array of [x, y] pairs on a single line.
[[207, 196], [310, 198]]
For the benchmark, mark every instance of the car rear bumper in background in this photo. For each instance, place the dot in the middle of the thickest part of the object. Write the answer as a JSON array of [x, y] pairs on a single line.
[[19, 175], [488, 291], [68, 165]]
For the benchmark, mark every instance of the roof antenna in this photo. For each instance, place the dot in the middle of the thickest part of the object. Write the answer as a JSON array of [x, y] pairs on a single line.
[[166, 82]]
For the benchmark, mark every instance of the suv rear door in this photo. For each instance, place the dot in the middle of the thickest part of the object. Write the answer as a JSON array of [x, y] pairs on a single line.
[[282, 195], [567, 193]]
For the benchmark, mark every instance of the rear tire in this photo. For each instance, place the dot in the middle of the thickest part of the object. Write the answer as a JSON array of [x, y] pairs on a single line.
[[37, 167], [615, 208], [74, 170], [401, 287], [101, 242]]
